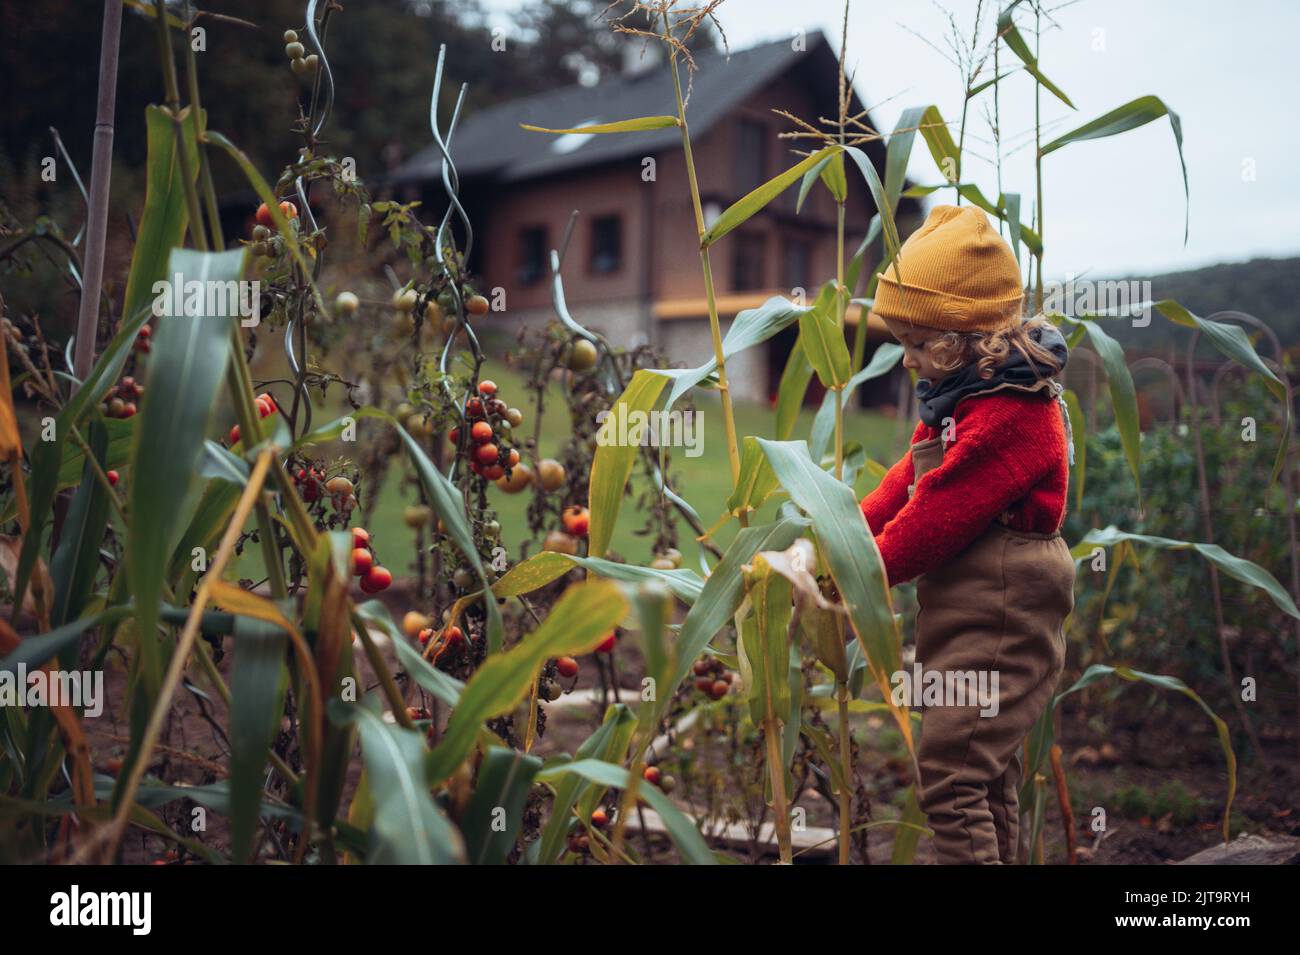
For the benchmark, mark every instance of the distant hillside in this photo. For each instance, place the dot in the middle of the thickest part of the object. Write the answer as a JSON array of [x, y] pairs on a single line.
[[1268, 289]]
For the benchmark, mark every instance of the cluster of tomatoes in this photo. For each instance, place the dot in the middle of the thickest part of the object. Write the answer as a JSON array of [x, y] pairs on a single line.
[[143, 337], [712, 678], [120, 401], [490, 421], [452, 636], [310, 483], [300, 61], [419, 627], [373, 577], [264, 239], [265, 408], [657, 777]]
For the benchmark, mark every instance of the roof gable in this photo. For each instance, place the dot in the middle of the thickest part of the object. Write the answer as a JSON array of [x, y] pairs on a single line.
[[491, 142]]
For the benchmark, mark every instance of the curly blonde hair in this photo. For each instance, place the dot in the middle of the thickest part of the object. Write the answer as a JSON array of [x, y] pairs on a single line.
[[950, 351]]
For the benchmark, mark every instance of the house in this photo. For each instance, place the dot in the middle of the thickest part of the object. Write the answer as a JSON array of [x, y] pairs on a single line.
[[632, 266]]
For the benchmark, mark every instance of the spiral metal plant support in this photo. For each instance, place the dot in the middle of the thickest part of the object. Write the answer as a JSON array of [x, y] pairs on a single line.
[[324, 71], [444, 238], [296, 327]]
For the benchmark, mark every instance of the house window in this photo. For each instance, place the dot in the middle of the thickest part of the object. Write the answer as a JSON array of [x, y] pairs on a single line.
[[747, 262], [606, 245], [796, 263], [532, 255], [751, 146]]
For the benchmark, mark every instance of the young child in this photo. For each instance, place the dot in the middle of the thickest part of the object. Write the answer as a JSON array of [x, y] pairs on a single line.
[[973, 511]]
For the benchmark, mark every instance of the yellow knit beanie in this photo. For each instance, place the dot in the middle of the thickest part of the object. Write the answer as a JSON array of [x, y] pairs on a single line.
[[958, 275]]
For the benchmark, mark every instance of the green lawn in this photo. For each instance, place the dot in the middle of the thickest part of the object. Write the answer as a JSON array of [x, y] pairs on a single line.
[[705, 480]]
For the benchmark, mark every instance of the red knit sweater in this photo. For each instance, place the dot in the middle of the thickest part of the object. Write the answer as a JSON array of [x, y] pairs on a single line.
[[1006, 453]]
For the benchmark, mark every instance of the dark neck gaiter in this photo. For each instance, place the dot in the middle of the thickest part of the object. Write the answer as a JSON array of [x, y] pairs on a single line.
[[939, 397]]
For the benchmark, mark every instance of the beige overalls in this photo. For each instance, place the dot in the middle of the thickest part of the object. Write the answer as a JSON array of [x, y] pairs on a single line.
[[1000, 605]]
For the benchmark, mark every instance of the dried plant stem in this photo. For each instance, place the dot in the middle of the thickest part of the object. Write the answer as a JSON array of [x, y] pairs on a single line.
[[1038, 168], [1063, 801], [780, 802], [846, 771], [92, 278]]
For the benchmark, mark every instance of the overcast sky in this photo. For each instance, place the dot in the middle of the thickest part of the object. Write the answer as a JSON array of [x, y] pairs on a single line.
[[1112, 206]]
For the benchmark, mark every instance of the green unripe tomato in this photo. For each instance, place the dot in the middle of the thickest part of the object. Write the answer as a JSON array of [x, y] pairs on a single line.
[[294, 50], [404, 299], [584, 355], [290, 36]]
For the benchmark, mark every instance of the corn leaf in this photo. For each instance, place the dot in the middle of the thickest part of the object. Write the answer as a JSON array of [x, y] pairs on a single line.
[[186, 368], [851, 556], [1017, 45], [76, 560], [638, 125], [682, 831], [1238, 568], [582, 617], [495, 812], [747, 206], [258, 681], [1123, 397], [723, 593], [1131, 115], [612, 465], [823, 340], [408, 827]]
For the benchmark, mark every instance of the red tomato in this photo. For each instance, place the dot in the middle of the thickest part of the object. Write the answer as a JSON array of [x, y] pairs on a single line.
[[376, 579], [362, 561]]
